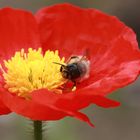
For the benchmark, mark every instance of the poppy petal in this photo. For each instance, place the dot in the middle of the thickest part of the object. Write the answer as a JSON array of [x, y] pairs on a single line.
[[126, 74], [115, 57], [67, 102], [38, 110], [72, 101], [72, 30], [18, 29], [57, 106], [3, 109]]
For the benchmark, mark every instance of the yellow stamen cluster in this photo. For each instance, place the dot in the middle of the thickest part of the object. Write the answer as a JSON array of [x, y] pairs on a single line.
[[33, 70]]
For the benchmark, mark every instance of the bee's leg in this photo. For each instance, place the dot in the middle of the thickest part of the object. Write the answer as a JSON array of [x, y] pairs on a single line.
[[86, 55], [65, 88], [69, 89], [65, 85], [74, 86], [72, 57]]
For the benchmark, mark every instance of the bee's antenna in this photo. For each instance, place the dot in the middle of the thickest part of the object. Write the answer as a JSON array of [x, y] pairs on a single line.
[[59, 64]]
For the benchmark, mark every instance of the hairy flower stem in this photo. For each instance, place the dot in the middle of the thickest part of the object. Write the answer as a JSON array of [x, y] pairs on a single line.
[[37, 130]]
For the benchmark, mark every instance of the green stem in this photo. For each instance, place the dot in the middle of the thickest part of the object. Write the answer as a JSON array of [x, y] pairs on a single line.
[[37, 130]]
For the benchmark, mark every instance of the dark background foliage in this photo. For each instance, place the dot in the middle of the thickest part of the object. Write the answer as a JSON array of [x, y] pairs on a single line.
[[120, 123]]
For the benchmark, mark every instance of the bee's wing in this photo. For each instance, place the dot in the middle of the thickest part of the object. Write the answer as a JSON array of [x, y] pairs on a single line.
[[86, 55], [72, 59]]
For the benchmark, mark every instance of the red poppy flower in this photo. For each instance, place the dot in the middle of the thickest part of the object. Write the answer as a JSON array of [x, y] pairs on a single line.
[[30, 81]]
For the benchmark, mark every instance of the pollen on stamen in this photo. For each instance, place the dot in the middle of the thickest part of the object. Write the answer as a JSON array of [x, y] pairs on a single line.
[[26, 72]]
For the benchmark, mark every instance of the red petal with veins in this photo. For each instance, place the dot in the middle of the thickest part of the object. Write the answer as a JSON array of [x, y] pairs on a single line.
[[114, 53], [37, 110], [3, 109], [45, 105], [18, 29]]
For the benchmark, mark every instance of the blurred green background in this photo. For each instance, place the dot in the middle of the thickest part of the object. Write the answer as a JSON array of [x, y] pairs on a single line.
[[122, 123]]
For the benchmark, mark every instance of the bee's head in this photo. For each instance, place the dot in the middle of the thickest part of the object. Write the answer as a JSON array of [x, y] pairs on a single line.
[[63, 70]]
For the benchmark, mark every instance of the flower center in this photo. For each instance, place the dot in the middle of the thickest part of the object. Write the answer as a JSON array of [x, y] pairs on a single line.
[[33, 70]]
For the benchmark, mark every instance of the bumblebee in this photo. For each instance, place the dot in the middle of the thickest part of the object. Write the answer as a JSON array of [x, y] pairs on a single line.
[[76, 69]]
